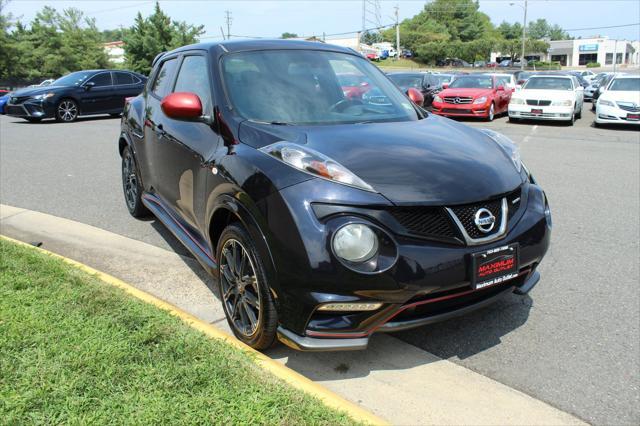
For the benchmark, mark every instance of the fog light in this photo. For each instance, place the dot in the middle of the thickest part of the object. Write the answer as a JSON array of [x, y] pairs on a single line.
[[355, 242], [350, 307]]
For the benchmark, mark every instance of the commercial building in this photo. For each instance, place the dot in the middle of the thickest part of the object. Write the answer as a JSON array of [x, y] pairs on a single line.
[[115, 51]]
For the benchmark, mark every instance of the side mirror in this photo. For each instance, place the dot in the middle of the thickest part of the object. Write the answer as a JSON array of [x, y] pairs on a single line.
[[415, 96], [445, 85], [88, 85], [182, 106]]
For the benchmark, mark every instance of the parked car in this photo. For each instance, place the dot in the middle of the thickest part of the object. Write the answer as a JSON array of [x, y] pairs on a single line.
[[506, 63], [521, 77], [3, 101], [429, 84], [353, 85], [588, 75], [406, 53], [603, 83], [594, 84], [373, 56], [479, 64], [453, 62], [505, 79], [326, 219], [620, 102], [492, 64], [79, 93], [548, 97], [578, 74], [474, 95]]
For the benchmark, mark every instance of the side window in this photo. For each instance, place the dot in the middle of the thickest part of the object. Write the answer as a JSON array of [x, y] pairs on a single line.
[[101, 80], [162, 84], [193, 77], [123, 78]]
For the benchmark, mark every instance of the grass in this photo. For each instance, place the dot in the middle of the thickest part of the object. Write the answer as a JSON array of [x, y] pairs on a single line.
[[400, 63], [74, 350]]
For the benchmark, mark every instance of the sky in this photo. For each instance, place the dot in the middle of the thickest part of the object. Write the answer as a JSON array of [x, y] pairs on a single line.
[[271, 18]]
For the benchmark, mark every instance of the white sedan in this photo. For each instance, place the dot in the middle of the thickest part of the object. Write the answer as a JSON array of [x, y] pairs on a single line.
[[620, 102], [548, 97]]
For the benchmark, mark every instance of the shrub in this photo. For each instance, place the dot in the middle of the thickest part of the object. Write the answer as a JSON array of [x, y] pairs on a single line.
[[593, 65]]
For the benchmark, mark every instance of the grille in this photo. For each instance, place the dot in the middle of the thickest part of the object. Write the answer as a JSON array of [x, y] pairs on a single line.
[[466, 216], [456, 111], [13, 110], [17, 100], [457, 100], [425, 222], [538, 102], [629, 107]]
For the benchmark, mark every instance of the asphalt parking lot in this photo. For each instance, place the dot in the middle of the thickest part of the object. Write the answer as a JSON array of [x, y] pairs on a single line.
[[573, 342]]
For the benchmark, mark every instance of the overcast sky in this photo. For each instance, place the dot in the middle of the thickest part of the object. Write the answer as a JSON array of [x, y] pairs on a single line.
[[271, 18]]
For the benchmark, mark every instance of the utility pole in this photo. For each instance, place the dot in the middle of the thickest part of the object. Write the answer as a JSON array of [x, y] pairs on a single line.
[[364, 23], [229, 19], [397, 34], [615, 55], [524, 35]]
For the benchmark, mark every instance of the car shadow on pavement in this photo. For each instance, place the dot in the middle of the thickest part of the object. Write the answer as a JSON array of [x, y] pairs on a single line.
[[78, 120]]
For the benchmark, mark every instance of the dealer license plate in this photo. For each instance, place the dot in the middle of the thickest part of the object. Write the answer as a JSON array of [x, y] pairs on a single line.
[[494, 266], [633, 116], [536, 111]]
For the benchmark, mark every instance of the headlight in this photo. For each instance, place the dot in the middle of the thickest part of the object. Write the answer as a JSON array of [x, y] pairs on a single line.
[[309, 161], [567, 102], [355, 242], [437, 98], [509, 147], [517, 101], [43, 96], [605, 102], [480, 100]]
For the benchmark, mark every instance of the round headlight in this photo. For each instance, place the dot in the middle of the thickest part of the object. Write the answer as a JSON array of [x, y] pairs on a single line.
[[355, 242]]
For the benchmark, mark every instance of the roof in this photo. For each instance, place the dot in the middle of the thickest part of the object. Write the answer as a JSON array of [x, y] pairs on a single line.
[[264, 44]]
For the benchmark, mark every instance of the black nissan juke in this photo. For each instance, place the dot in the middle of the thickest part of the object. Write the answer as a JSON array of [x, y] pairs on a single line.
[[326, 217]]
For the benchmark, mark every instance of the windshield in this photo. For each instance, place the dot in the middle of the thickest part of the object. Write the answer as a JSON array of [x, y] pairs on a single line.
[[440, 79], [472, 82], [548, 83], [406, 81], [73, 79], [625, 84], [303, 87]]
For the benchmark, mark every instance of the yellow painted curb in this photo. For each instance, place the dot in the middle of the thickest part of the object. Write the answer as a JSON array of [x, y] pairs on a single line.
[[288, 375]]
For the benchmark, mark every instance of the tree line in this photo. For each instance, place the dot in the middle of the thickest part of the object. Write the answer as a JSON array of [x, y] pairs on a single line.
[[457, 29]]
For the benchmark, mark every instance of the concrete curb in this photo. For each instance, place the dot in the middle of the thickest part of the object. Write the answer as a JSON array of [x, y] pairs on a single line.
[[282, 372]]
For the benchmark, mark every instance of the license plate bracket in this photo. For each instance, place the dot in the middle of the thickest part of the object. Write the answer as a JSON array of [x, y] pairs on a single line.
[[494, 266]]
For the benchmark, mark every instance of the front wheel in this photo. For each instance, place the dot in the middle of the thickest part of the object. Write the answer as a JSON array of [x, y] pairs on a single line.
[[579, 114], [491, 113], [244, 291], [572, 120], [67, 111]]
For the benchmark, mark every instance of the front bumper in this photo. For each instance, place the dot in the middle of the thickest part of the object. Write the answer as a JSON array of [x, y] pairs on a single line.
[[29, 109], [429, 281], [461, 110], [613, 115], [560, 113]]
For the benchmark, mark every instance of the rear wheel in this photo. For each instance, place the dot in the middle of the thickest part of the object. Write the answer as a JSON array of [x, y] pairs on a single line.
[[67, 110], [244, 291], [131, 185]]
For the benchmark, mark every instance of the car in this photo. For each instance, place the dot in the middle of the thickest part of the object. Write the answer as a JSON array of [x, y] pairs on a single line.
[[453, 62], [473, 95], [505, 79], [521, 77], [620, 102], [3, 101], [594, 84], [492, 64], [602, 84], [43, 83], [79, 93], [354, 85], [372, 56], [506, 63], [406, 53], [588, 75], [429, 84], [584, 83], [326, 219], [548, 97], [479, 64]]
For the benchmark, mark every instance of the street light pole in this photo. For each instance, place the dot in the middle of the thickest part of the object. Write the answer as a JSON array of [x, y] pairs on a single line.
[[524, 35]]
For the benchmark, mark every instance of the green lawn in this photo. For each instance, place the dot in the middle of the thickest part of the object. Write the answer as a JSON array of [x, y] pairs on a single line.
[[75, 350], [400, 63]]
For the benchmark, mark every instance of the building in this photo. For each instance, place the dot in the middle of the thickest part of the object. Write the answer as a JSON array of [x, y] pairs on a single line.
[[115, 51]]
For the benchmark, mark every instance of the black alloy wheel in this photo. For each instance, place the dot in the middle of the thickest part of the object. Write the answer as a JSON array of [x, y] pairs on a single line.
[[67, 111], [246, 300], [131, 185]]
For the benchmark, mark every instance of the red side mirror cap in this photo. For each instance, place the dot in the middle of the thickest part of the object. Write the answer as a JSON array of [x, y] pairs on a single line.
[[415, 96], [182, 106], [445, 85]]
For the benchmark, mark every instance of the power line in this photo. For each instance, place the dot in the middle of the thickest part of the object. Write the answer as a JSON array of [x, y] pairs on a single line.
[[602, 28]]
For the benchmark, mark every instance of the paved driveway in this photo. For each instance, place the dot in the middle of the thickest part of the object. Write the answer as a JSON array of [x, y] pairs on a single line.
[[574, 342]]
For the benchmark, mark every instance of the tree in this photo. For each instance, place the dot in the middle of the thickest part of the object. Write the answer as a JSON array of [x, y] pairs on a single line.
[[155, 34], [7, 47], [510, 31], [289, 35], [370, 37], [540, 28]]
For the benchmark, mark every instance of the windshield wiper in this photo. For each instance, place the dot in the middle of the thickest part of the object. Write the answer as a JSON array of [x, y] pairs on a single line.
[[275, 123]]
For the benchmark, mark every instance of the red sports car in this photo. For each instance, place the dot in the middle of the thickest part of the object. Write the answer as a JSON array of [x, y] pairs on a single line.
[[473, 95]]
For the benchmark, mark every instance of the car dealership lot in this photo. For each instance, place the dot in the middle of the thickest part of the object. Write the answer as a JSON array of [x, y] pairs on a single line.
[[572, 342]]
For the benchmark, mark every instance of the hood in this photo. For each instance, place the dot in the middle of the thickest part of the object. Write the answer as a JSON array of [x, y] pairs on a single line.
[[434, 161], [33, 91], [553, 95], [622, 96], [465, 92]]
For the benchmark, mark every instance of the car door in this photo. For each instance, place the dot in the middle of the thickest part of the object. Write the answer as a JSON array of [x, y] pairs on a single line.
[[96, 94], [186, 145], [125, 85], [579, 93]]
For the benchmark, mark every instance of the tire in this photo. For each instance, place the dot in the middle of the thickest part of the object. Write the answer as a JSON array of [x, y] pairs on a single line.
[[492, 113], [593, 106], [131, 187], [33, 119], [572, 120], [244, 291], [579, 114], [67, 111]]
